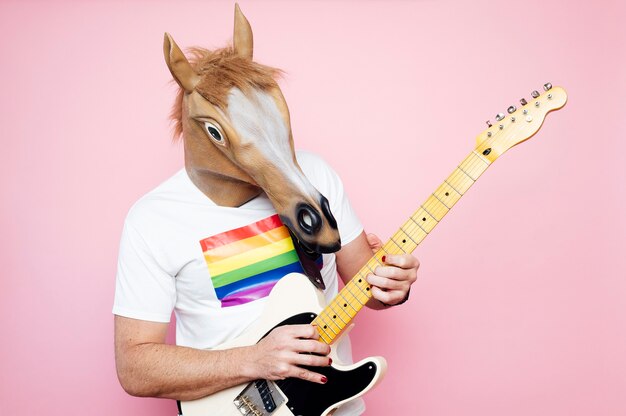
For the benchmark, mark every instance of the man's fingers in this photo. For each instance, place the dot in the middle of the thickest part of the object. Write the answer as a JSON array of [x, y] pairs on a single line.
[[384, 282], [311, 360], [303, 331], [304, 374], [315, 347], [391, 272], [390, 297], [404, 261]]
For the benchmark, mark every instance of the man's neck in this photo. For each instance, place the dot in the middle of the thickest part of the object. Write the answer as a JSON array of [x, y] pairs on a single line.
[[222, 190]]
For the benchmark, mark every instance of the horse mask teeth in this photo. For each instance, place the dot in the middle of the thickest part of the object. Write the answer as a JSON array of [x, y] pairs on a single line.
[[241, 99]]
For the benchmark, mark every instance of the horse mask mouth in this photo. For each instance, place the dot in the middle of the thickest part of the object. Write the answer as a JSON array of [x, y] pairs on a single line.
[[309, 222], [237, 136]]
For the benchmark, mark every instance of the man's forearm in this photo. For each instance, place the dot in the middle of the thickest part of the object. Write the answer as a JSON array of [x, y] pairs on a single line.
[[181, 373]]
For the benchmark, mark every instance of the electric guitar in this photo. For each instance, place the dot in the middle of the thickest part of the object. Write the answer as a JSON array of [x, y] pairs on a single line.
[[294, 300]]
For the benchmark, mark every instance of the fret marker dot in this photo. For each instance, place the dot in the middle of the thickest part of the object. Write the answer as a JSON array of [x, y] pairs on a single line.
[[325, 327], [367, 288], [360, 280], [424, 219], [345, 305], [447, 193], [403, 241], [334, 316]]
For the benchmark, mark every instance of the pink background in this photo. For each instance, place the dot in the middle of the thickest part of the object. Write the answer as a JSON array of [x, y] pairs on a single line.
[[520, 305]]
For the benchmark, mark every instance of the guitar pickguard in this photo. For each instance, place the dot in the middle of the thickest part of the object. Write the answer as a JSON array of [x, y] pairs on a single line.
[[304, 398]]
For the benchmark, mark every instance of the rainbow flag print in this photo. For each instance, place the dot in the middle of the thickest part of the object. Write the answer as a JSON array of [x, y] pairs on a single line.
[[245, 263]]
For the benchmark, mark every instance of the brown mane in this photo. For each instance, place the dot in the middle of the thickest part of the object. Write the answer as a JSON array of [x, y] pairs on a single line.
[[220, 70]]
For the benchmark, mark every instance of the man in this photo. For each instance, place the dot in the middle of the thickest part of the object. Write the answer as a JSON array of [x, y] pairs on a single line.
[[172, 249]]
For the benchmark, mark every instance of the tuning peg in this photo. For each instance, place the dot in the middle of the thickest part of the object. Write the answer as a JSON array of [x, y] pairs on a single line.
[[523, 101], [499, 116], [535, 94], [547, 86], [511, 109], [488, 123]]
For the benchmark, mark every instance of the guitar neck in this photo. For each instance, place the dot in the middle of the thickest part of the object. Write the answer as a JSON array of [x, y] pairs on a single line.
[[340, 312]]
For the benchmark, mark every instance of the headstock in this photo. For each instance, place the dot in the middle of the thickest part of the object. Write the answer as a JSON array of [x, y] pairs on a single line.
[[519, 124]]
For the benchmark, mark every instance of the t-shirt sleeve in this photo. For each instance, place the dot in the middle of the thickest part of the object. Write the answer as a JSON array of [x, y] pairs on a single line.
[[143, 289], [328, 182]]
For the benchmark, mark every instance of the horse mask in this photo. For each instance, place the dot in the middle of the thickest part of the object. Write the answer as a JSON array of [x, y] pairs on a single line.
[[237, 137]]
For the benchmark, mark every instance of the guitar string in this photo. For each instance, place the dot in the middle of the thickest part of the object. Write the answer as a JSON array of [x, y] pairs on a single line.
[[467, 167], [470, 163], [409, 231], [477, 159]]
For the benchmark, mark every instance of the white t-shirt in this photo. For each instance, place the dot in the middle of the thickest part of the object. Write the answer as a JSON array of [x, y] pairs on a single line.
[[214, 266]]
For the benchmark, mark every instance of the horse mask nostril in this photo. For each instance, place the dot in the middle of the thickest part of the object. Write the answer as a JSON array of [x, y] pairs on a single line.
[[327, 213], [308, 219]]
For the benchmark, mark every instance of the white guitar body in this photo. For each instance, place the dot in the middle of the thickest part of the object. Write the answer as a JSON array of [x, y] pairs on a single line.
[[292, 296]]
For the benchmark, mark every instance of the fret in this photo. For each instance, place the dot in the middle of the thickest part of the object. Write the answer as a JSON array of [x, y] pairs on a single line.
[[326, 324], [481, 157], [360, 281], [373, 263], [405, 239], [460, 181], [325, 335], [424, 219], [465, 173], [447, 194], [410, 225], [392, 247], [357, 292], [452, 187], [474, 166], [335, 317], [347, 293], [370, 266], [347, 305], [338, 314], [435, 208], [330, 323], [442, 201], [399, 243], [427, 211]]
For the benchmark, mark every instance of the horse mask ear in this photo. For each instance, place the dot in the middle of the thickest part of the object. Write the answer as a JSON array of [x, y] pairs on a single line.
[[178, 64], [242, 36]]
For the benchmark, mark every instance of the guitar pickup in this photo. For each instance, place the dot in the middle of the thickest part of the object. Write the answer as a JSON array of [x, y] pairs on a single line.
[[259, 398]]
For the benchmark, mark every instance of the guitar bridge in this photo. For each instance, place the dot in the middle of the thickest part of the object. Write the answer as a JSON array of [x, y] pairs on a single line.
[[259, 398]]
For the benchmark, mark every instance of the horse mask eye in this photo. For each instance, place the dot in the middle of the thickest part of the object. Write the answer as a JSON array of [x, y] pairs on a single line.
[[214, 132]]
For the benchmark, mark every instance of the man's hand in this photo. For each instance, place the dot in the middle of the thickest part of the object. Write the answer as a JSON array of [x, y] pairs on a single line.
[[281, 353], [391, 283]]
